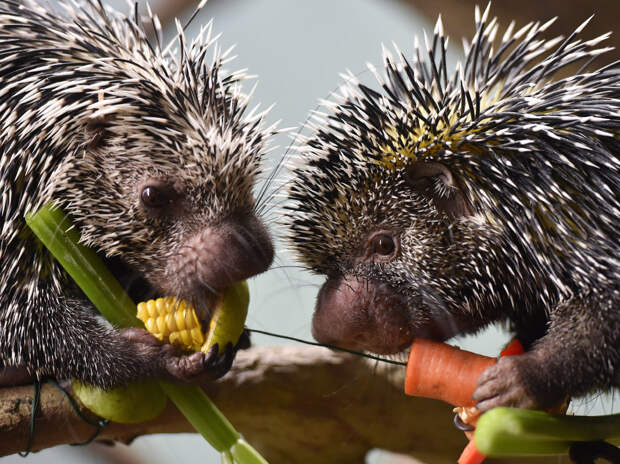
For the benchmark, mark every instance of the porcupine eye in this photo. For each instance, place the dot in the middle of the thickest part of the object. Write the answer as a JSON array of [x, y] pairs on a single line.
[[382, 247], [157, 197]]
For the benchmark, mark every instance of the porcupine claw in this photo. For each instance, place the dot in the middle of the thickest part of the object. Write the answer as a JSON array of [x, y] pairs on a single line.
[[515, 381], [166, 361]]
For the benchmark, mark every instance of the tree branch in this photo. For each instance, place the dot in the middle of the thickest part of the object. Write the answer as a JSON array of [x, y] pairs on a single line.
[[294, 404]]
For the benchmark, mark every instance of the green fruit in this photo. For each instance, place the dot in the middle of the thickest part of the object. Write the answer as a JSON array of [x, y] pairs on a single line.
[[137, 402]]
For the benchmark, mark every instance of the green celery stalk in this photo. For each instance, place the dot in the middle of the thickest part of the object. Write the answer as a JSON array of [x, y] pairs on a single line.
[[243, 452], [503, 432], [55, 230], [227, 458], [206, 418], [57, 233]]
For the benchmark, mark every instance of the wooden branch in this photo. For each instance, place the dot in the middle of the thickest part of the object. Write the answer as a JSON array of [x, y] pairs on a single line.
[[294, 404]]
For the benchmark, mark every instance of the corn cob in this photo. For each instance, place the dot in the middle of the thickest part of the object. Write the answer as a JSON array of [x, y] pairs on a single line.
[[175, 321], [172, 320], [229, 317]]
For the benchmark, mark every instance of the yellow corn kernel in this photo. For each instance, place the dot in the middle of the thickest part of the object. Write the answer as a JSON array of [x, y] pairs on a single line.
[[151, 326], [175, 321], [197, 336], [179, 319]]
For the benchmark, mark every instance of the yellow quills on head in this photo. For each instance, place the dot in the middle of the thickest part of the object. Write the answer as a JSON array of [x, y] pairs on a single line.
[[175, 321]]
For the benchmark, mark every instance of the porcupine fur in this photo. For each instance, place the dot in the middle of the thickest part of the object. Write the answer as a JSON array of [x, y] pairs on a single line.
[[535, 158], [91, 114]]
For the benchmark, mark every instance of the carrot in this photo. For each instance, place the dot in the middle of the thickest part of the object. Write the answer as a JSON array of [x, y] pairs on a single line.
[[440, 371], [444, 372], [514, 347], [471, 455]]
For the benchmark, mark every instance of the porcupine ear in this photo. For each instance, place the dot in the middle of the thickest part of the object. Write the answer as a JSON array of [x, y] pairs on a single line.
[[434, 180], [96, 132]]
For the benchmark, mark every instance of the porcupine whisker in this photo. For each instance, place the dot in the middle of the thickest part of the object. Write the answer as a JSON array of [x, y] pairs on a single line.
[[433, 300], [248, 242], [265, 204], [306, 285], [289, 266], [199, 267], [347, 285], [196, 263], [223, 265], [274, 205], [264, 195], [280, 265], [297, 284]]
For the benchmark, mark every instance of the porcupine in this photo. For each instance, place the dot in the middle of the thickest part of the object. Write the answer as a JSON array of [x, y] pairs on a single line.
[[439, 204], [153, 156]]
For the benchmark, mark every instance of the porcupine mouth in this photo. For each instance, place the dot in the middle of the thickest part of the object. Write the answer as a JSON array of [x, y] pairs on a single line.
[[140, 289], [434, 330]]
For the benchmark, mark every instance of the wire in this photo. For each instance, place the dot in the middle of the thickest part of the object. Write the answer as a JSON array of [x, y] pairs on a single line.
[[35, 406], [333, 347], [100, 424]]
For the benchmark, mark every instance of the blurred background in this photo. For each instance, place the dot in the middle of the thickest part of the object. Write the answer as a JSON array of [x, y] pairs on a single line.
[[298, 48]]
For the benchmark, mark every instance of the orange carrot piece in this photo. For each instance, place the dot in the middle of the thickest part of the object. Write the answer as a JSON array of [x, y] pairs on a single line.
[[514, 347], [471, 455], [444, 372]]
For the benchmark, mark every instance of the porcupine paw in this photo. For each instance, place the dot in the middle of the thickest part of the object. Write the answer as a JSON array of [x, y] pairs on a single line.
[[244, 341], [510, 382], [169, 362], [200, 367]]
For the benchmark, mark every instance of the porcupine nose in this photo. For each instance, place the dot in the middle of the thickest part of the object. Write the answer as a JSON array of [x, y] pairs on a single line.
[[233, 250]]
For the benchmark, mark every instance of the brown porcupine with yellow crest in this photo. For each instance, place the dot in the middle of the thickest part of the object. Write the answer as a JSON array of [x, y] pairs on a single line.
[[440, 203]]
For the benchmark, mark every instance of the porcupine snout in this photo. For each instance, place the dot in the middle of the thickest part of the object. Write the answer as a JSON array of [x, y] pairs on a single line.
[[361, 314], [220, 255]]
